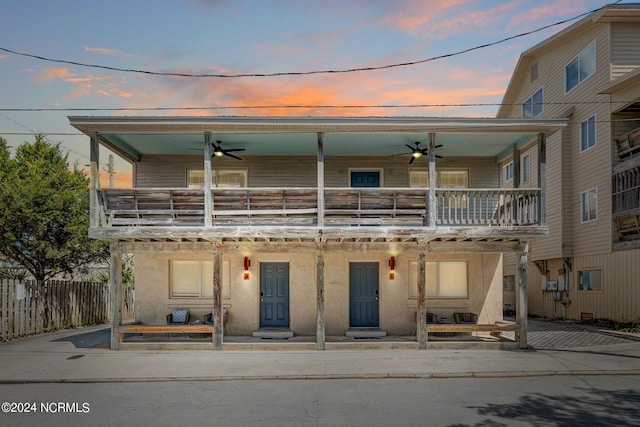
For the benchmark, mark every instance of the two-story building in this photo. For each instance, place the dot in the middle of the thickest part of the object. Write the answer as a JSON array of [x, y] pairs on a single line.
[[589, 74], [316, 226]]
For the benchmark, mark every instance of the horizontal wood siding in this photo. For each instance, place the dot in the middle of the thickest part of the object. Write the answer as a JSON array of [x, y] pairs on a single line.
[[551, 246], [159, 171], [625, 54]]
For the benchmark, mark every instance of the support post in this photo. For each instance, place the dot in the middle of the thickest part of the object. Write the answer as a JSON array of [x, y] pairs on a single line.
[[521, 291], [95, 181], [115, 293], [218, 317], [320, 166], [208, 198], [432, 207], [542, 178], [422, 303], [320, 326]]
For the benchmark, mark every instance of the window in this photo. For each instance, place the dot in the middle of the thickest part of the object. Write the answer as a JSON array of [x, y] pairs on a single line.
[[444, 279], [533, 106], [580, 68], [588, 133], [222, 178], [509, 283], [508, 171], [590, 280], [526, 168], [194, 279], [588, 205], [419, 178]]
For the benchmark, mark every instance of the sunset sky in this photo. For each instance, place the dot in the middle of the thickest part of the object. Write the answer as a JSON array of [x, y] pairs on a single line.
[[231, 37]]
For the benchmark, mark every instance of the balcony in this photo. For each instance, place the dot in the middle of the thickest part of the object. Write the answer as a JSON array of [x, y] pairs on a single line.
[[175, 212]]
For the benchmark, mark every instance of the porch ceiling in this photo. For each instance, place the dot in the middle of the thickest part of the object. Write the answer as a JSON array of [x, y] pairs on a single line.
[[266, 136]]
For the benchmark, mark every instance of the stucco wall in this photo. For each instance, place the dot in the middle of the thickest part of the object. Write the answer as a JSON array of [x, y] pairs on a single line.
[[397, 309]]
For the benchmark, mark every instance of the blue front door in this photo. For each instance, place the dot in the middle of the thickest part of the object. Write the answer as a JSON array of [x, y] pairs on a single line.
[[363, 294], [365, 179], [274, 295]]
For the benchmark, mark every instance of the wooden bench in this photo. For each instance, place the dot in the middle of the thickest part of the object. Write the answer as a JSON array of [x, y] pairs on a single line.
[[166, 329], [492, 328]]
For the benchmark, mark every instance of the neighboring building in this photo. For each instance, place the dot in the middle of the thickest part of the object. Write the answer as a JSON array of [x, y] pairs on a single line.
[[322, 227], [590, 74]]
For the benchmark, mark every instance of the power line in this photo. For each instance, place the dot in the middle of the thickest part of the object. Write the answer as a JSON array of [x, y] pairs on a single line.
[[303, 73], [328, 106]]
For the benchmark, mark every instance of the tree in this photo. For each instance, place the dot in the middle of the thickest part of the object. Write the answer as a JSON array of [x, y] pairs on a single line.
[[44, 211]]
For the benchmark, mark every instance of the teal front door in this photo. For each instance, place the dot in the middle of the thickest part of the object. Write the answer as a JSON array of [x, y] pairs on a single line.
[[365, 179], [363, 295], [274, 295]]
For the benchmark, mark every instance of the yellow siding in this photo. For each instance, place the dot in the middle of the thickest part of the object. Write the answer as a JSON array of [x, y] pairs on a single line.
[[298, 171], [620, 296], [625, 54]]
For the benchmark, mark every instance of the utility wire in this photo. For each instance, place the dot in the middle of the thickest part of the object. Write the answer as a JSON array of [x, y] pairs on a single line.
[[328, 106], [303, 73]]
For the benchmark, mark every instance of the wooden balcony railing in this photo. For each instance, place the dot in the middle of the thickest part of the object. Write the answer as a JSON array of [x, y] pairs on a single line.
[[394, 207]]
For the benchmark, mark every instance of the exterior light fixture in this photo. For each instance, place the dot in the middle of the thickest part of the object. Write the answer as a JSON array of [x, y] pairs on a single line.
[[392, 268], [247, 264]]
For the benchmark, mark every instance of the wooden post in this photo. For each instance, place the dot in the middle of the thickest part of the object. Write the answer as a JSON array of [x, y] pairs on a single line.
[[208, 199], [116, 293], [432, 207], [516, 166], [320, 166], [521, 291], [542, 178], [422, 302], [320, 326], [94, 185], [217, 300]]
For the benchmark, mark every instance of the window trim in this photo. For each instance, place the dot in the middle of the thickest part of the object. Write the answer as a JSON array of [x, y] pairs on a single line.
[[214, 176], [582, 206], [595, 133], [508, 171], [530, 104], [590, 269], [413, 279], [504, 283], [226, 277], [577, 58]]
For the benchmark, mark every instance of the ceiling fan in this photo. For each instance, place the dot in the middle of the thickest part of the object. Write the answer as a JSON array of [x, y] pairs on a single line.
[[218, 151], [417, 152]]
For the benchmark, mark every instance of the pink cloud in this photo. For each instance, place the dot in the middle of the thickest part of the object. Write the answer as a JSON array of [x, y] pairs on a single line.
[[53, 73], [102, 51]]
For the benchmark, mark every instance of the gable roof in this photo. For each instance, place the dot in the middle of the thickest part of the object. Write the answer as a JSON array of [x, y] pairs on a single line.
[[608, 13]]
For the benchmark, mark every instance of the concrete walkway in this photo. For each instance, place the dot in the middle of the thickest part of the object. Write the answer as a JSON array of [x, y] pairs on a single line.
[[81, 356]]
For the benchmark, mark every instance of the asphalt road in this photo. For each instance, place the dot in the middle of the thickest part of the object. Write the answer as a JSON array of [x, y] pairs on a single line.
[[600, 400]]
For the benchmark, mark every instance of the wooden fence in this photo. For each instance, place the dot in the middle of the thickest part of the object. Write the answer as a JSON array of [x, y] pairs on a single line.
[[23, 309]]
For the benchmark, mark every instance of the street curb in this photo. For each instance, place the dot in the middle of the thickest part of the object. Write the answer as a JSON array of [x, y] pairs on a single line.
[[442, 375]]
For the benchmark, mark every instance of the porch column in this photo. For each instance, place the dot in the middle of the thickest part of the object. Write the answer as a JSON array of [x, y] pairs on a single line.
[[218, 318], [432, 181], [115, 293], [208, 199], [516, 166], [422, 303], [542, 178], [320, 327], [320, 166], [95, 181], [521, 295]]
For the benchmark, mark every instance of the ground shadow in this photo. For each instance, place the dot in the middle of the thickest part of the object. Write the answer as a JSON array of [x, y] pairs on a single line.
[[95, 339], [588, 407]]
